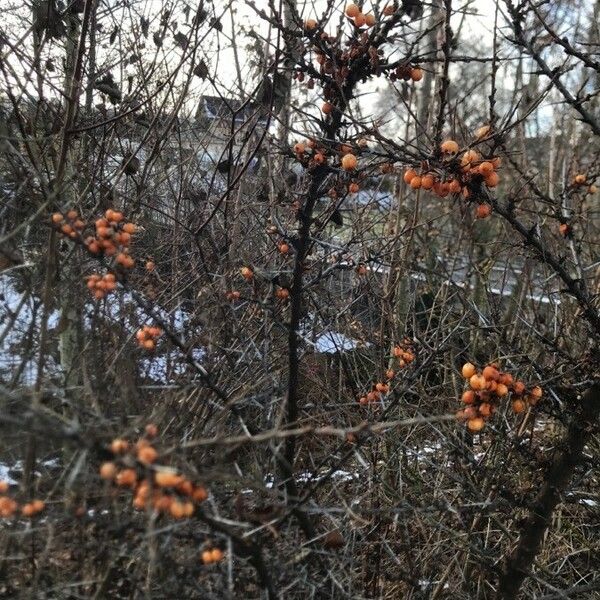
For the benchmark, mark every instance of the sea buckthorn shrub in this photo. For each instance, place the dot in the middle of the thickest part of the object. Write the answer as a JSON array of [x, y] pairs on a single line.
[[298, 299]]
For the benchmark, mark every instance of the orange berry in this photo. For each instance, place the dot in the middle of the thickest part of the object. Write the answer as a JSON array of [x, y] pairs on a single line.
[[483, 210], [353, 188], [150, 265], [352, 10], [506, 379], [416, 74], [373, 396], [167, 479], [390, 374], [492, 179], [124, 238], [310, 24], [200, 494], [185, 487], [139, 502], [485, 409], [382, 387], [470, 412], [129, 228], [449, 147], [518, 406], [27, 510], [579, 179], [177, 509], [126, 478], [409, 174], [518, 388], [326, 108], [319, 158], [485, 168], [299, 148], [149, 344], [470, 157], [536, 392], [282, 293], [217, 554], [360, 20], [454, 186], [468, 397], [415, 183], [477, 382], [247, 273], [147, 455], [4, 487], [57, 218], [119, 446], [8, 507], [427, 182], [283, 248], [349, 162], [370, 19], [104, 232], [491, 373], [206, 557], [108, 471], [468, 370], [501, 390], [476, 424]]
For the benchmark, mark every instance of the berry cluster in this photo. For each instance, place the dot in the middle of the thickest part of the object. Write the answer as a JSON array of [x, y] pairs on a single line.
[[486, 388], [113, 237], [9, 507], [212, 555], [459, 172], [581, 180], [146, 337], [162, 488], [69, 224], [407, 73], [404, 352], [310, 154], [336, 58], [101, 285]]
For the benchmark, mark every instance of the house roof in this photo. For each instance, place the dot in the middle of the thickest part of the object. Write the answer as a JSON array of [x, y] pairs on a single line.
[[217, 107]]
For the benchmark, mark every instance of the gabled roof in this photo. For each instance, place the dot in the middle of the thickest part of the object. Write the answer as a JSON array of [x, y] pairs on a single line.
[[217, 107]]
